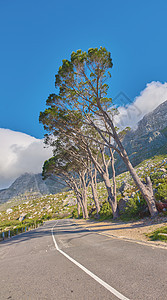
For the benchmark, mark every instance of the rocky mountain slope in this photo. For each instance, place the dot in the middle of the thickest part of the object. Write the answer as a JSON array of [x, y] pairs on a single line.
[[149, 139], [30, 186]]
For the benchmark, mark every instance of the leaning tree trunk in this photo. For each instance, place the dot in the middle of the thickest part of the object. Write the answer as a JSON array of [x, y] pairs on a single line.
[[146, 190], [94, 195], [80, 202], [78, 209], [84, 196], [111, 199], [83, 207], [113, 176], [104, 174], [93, 183]]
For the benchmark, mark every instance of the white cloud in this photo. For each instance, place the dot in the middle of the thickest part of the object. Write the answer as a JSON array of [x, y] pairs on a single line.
[[20, 153], [153, 95]]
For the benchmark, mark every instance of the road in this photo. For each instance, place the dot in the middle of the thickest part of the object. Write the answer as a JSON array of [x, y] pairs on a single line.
[[61, 260]]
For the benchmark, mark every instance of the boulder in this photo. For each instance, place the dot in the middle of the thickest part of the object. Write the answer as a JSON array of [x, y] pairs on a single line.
[[161, 206], [123, 203], [9, 210], [125, 186], [22, 217]]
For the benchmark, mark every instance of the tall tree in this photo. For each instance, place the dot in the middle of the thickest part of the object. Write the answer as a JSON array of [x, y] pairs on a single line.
[[87, 141], [82, 86]]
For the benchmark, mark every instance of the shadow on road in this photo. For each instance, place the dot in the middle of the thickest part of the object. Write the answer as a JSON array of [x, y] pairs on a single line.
[[45, 230]]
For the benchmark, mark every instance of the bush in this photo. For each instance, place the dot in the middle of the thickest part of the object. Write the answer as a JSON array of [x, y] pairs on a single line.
[[161, 192], [136, 208], [47, 217], [105, 210], [155, 176], [75, 213]]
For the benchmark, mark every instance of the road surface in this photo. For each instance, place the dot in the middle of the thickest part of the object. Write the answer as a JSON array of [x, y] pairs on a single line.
[[61, 260]]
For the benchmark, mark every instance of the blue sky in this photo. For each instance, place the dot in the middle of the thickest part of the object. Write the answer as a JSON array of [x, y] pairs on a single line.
[[36, 35]]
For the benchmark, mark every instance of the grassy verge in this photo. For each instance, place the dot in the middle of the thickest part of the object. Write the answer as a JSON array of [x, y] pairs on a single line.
[[159, 234]]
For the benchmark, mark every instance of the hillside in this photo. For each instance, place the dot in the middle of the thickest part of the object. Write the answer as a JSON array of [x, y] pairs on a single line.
[[149, 139], [29, 186]]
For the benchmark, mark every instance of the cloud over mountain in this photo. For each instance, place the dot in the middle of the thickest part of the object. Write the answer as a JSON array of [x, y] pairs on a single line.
[[20, 153], [153, 95]]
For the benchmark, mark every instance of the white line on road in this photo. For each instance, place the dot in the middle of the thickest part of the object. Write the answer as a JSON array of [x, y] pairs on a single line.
[[103, 283]]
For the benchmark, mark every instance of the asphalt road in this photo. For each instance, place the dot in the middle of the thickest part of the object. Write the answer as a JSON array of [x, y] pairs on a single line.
[[33, 266]]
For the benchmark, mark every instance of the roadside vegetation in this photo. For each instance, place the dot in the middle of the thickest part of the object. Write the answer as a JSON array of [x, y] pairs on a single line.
[[32, 213], [159, 234]]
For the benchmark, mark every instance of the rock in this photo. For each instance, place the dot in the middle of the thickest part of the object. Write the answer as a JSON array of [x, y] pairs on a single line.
[[22, 217], [124, 186], [162, 170], [161, 206], [123, 203], [9, 211]]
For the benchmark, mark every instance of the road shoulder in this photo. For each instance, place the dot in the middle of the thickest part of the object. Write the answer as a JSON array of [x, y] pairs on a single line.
[[131, 231]]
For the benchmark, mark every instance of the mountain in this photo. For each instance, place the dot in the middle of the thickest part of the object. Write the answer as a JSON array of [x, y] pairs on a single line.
[[31, 186], [149, 139]]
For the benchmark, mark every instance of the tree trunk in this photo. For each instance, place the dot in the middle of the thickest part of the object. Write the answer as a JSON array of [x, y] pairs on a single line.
[[146, 190], [94, 195], [85, 215], [78, 209], [104, 174], [111, 199], [113, 176], [84, 196], [94, 187]]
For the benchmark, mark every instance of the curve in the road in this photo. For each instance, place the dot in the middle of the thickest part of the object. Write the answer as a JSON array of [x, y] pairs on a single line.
[[99, 280]]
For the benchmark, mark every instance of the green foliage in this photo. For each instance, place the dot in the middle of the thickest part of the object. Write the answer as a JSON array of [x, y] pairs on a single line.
[[136, 208], [8, 223], [161, 193], [156, 176], [47, 217], [105, 210], [156, 235], [75, 213], [93, 214]]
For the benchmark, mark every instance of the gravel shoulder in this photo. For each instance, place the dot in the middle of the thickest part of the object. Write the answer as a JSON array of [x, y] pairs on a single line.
[[135, 231]]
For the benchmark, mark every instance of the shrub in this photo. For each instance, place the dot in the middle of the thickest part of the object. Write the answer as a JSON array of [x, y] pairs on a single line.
[[155, 176], [75, 213], [161, 192], [136, 208], [105, 210]]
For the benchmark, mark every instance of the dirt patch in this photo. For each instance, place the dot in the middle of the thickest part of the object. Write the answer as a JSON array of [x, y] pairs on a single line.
[[136, 230]]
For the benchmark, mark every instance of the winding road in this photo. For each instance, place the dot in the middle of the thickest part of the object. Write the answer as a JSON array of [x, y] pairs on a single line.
[[62, 260]]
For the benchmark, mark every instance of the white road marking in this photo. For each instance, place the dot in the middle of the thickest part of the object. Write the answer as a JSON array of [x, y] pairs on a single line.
[[103, 283]]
